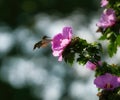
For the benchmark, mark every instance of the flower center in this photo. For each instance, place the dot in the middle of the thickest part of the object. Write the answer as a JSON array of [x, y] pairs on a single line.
[[108, 86]]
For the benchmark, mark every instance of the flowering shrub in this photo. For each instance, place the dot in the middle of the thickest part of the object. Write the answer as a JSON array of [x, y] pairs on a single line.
[[66, 47]]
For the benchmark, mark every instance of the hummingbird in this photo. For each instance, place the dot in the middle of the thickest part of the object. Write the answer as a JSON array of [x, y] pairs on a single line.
[[43, 43]]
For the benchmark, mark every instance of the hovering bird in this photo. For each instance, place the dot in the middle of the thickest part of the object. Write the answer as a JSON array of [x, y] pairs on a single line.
[[43, 43]]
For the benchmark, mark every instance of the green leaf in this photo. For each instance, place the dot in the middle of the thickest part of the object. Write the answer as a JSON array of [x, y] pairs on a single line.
[[118, 40], [70, 58], [112, 49], [81, 51], [103, 37]]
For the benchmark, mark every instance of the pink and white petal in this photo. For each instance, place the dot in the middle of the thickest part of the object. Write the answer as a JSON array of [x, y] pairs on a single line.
[[67, 32], [57, 53], [64, 42], [56, 42], [60, 58]]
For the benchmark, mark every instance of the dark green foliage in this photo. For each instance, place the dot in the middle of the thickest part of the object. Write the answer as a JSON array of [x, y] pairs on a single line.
[[118, 40], [115, 4], [81, 51], [109, 95], [106, 68], [112, 48], [9, 93], [112, 35], [21, 12]]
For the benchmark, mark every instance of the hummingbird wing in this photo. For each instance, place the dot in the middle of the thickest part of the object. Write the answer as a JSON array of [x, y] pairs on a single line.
[[37, 45]]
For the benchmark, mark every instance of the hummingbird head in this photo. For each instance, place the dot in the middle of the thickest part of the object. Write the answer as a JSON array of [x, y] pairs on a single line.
[[45, 37]]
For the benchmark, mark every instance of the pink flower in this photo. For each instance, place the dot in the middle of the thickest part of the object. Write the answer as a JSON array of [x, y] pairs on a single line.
[[107, 19], [104, 3], [60, 41], [107, 81], [92, 66]]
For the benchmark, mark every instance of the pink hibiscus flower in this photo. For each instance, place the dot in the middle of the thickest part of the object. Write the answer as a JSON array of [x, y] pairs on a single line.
[[60, 41]]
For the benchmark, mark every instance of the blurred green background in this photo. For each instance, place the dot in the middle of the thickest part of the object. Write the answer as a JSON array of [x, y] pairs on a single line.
[[37, 75]]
